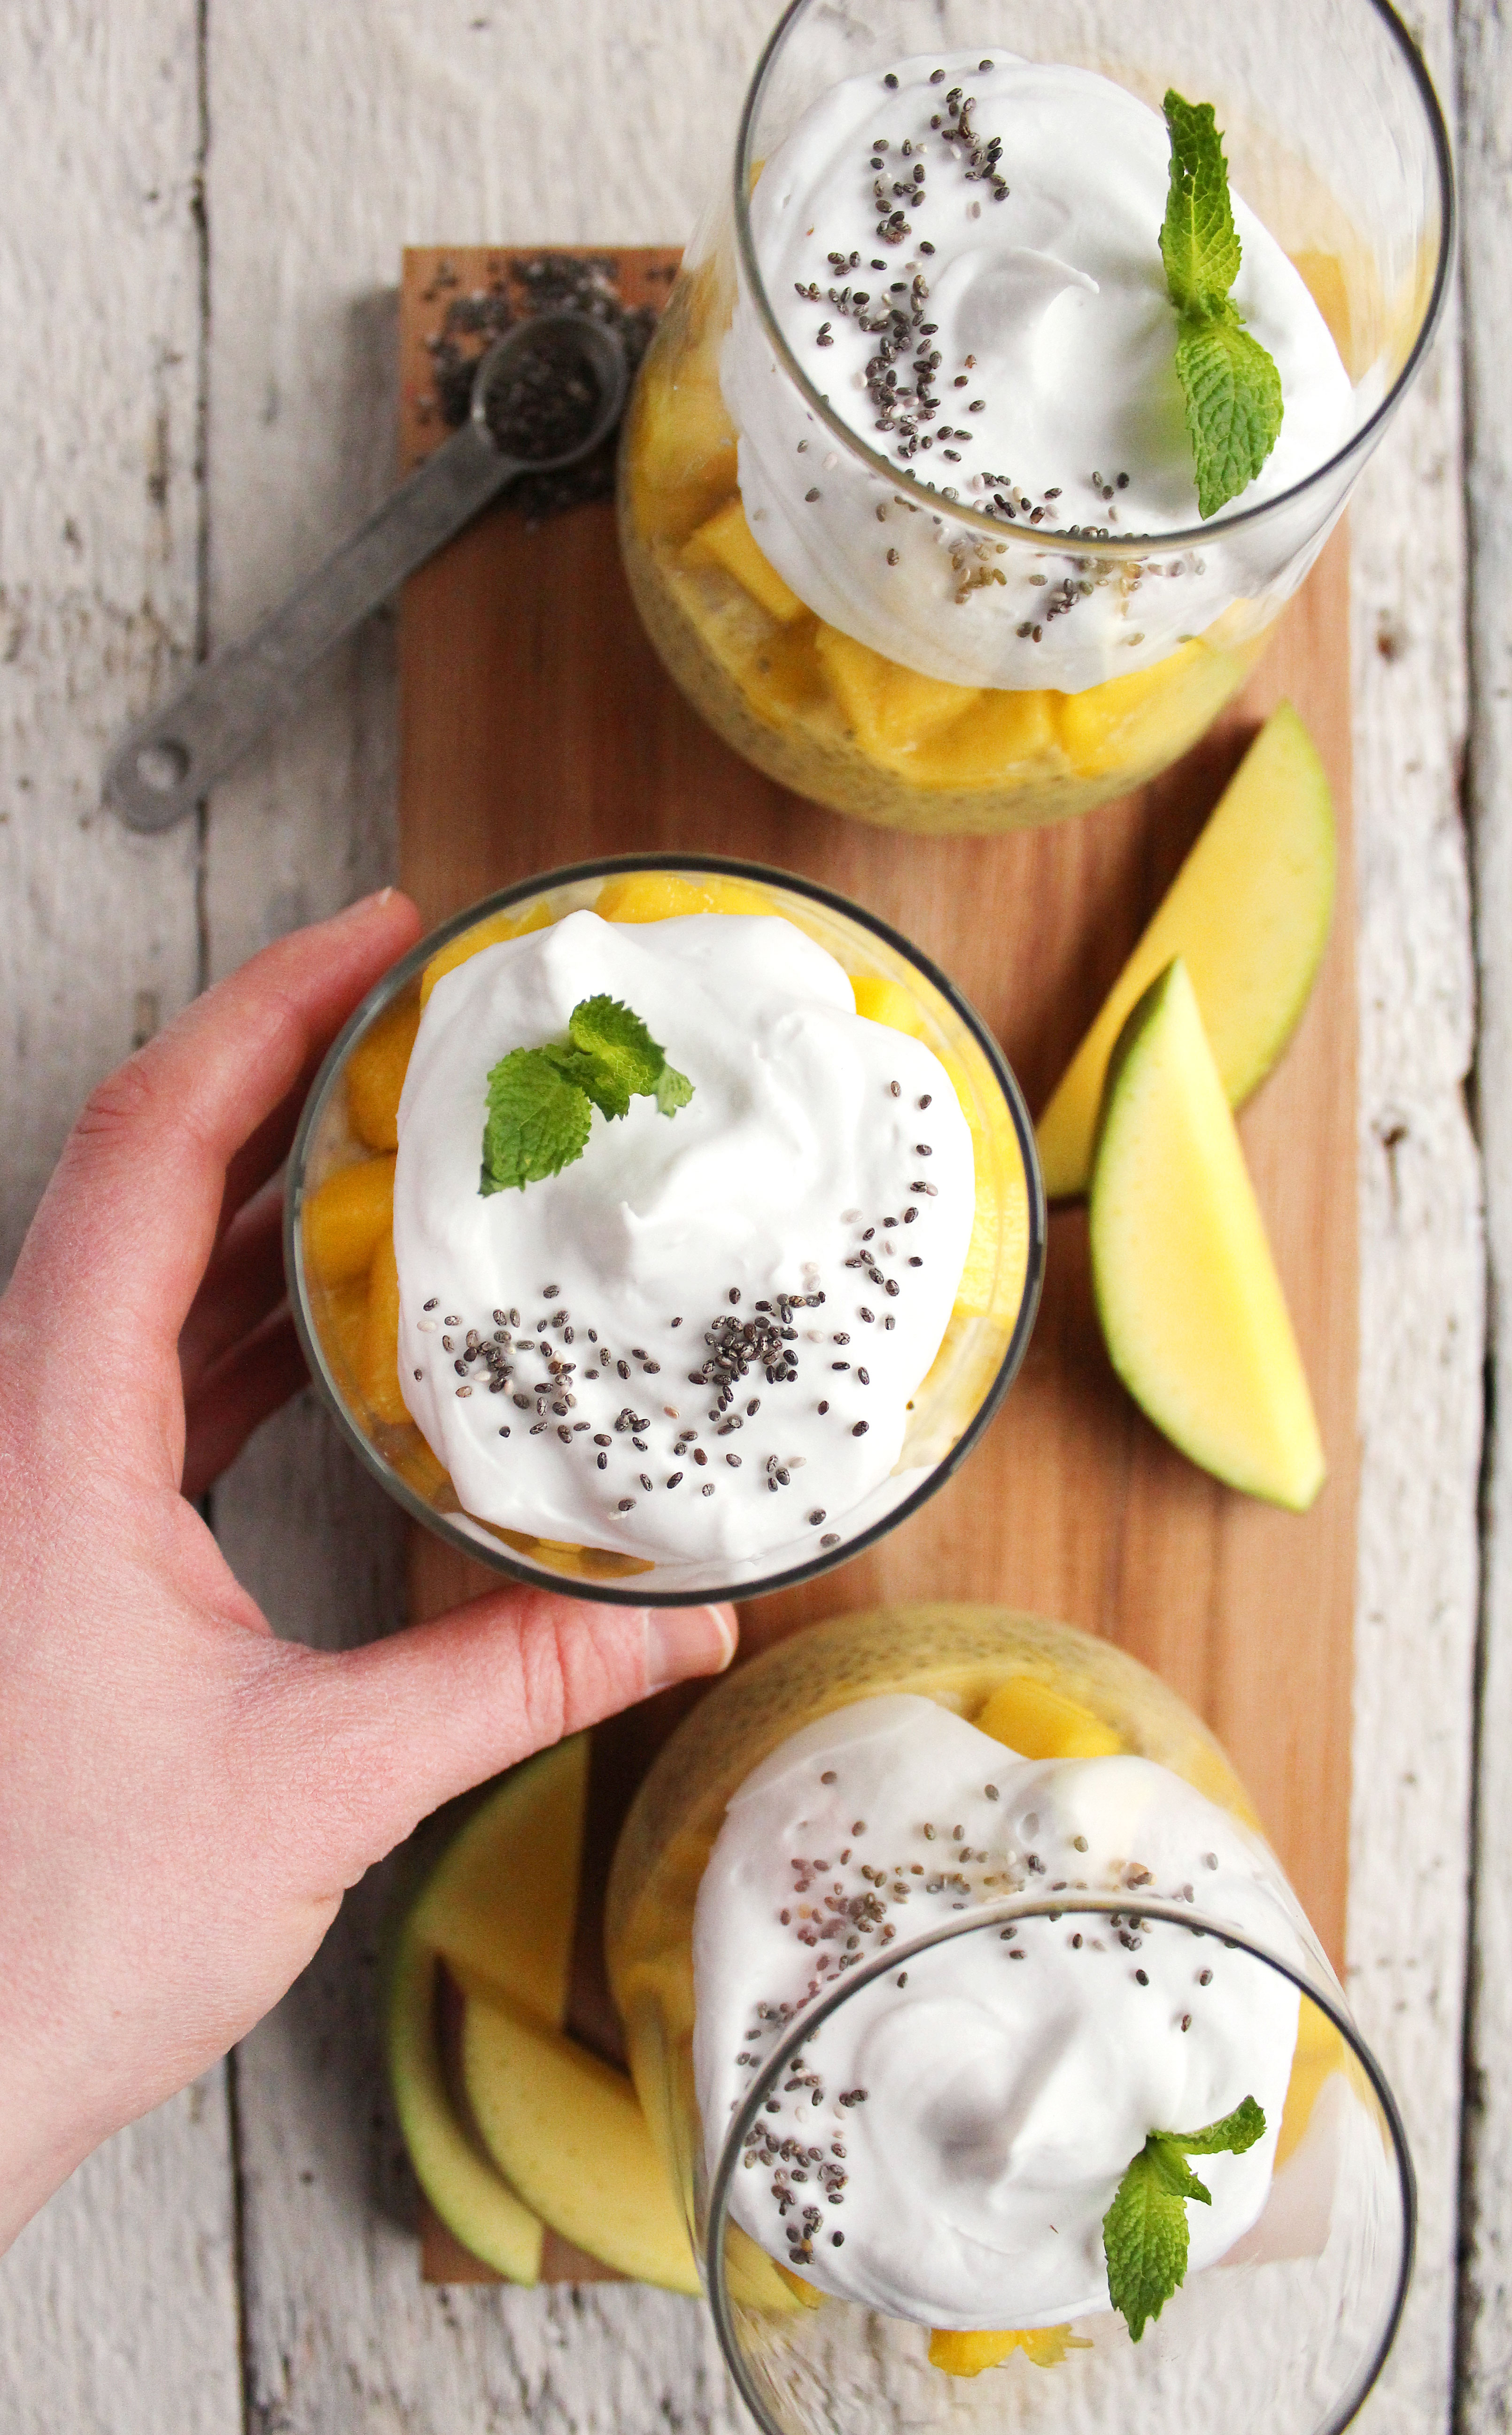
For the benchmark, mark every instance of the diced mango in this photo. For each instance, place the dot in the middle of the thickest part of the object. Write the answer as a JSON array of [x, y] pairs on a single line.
[[969, 2354], [890, 709], [1322, 275], [378, 1361], [1039, 1722], [488, 933], [1144, 718], [804, 2293], [376, 1075], [1001, 736], [663, 895], [727, 538], [681, 442], [342, 1314], [783, 676], [343, 1222]]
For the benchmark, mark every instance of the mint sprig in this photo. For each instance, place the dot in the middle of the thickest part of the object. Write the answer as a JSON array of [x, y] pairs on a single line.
[[1231, 386], [541, 1100], [1144, 2230]]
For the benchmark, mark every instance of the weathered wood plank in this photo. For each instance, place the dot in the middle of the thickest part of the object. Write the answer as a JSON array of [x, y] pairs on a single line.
[[1420, 1322], [118, 2304], [1485, 175]]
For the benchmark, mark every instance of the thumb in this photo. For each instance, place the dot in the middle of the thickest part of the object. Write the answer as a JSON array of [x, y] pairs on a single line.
[[377, 1737]]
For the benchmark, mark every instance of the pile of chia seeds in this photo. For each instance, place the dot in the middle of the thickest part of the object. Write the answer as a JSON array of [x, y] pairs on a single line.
[[542, 283]]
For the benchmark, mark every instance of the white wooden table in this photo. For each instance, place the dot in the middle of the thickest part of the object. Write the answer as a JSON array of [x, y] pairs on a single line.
[[203, 206]]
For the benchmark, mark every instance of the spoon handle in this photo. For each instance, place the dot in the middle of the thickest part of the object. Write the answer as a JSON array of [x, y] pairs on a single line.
[[169, 762]]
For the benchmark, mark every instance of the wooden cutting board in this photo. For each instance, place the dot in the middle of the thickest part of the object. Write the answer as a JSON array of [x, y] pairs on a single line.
[[537, 728]]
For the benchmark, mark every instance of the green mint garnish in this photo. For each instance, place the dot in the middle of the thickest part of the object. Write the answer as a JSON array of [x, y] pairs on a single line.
[[1144, 2230], [1232, 388], [541, 1100]]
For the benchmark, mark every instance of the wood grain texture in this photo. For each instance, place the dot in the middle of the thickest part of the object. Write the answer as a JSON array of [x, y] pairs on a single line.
[[1485, 179], [537, 727], [118, 2303]]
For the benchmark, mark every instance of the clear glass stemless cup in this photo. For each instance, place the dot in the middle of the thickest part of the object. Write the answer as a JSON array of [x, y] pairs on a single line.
[[1289, 2328], [1335, 140], [338, 1226]]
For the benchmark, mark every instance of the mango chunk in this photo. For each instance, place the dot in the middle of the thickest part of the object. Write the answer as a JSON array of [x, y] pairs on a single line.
[[1039, 1722], [1191, 1305], [969, 2354], [344, 1219], [727, 538], [1320, 2052], [663, 895], [483, 934], [376, 1075], [1001, 736], [891, 710], [1143, 719], [785, 676], [378, 1357], [1248, 913], [569, 2135]]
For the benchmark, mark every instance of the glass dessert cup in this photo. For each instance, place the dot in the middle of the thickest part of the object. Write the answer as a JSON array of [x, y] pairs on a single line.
[[1334, 139], [1291, 2325], [343, 1278]]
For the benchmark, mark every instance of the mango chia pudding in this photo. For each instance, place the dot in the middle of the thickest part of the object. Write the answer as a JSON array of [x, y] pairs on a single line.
[[980, 448], [668, 1227]]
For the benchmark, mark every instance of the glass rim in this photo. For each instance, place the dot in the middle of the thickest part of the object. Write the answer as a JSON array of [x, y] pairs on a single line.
[[1126, 546], [1329, 1999], [633, 1591]]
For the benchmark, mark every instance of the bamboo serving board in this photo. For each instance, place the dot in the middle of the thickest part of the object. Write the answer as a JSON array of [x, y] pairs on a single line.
[[539, 729]]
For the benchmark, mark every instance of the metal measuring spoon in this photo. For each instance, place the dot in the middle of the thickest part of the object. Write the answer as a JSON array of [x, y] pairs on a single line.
[[553, 370]]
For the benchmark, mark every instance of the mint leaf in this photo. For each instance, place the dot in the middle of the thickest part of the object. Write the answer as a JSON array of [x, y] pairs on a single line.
[[1234, 2134], [1144, 2241], [1144, 2230], [673, 1090], [627, 1061], [538, 1121], [541, 1100], [1230, 384], [1199, 244]]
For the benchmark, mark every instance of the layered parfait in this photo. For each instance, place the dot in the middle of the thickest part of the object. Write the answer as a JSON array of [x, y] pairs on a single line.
[[932, 1935], [666, 1228], [918, 472]]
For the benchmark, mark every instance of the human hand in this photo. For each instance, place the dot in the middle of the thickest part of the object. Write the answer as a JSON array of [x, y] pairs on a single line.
[[184, 1798]]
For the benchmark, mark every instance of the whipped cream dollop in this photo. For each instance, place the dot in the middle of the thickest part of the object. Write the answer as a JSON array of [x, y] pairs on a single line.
[[946, 2145], [1027, 282], [700, 1339]]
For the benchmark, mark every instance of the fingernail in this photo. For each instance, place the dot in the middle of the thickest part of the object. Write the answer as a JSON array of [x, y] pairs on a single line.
[[686, 1640], [362, 905]]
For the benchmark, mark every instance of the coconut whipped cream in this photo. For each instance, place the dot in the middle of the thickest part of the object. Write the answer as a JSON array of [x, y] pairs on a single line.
[[946, 2145], [700, 1339], [995, 223]]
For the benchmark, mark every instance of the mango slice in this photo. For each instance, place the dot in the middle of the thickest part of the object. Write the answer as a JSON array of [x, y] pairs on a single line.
[[1191, 1305], [569, 2135], [376, 1075], [343, 1220], [1248, 914], [969, 2354], [499, 1903], [1039, 1722], [483, 934], [465, 2188], [727, 538]]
